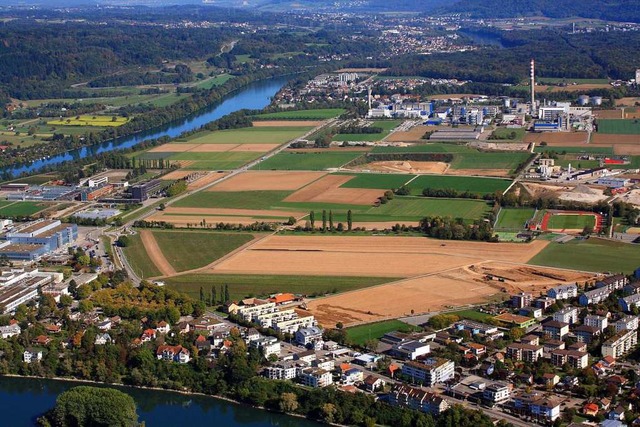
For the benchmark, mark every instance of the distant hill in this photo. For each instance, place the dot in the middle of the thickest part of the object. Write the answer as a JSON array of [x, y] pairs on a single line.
[[612, 10]]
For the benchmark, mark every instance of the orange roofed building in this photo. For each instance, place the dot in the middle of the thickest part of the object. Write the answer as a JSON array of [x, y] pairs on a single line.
[[280, 299]]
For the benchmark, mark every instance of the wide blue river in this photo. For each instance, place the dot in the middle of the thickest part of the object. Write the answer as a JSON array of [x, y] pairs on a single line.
[[23, 400], [257, 95]]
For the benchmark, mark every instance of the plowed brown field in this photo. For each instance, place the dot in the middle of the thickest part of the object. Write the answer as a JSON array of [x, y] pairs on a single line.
[[268, 181]]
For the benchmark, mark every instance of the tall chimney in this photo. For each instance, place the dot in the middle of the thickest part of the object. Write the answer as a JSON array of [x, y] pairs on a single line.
[[533, 86]]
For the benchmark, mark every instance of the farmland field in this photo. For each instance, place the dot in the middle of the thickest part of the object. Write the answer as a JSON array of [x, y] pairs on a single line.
[[360, 334], [570, 222], [506, 134], [480, 160], [377, 180], [215, 161], [108, 121], [312, 160], [243, 286], [587, 149], [619, 127], [138, 258], [426, 148], [237, 200], [197, 249], [386, 125], [474, 185], [513, 218], [419, 207], [590, 255], [257, 135], [14, 209], [318, 114]]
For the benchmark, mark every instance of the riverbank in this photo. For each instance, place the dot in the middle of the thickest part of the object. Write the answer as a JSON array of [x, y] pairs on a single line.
[[219, 401]]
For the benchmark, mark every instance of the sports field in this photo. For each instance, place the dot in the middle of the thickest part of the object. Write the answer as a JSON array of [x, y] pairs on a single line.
[[476, 185], [247, 285], [99, 121], [311, 161], [374, 331], [590, 255], [197, 249], [570, 222], [318, 114], [619, 127], [252, 135], [513, 218]]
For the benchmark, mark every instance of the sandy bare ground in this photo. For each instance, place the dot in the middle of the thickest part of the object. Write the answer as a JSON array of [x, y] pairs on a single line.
[[369, 256], [608, 114], [404, 167], [255, 148], [414, 134], [173, 148], [205, 180], [179, 174], [228, 212], [479, 172], [558, 138], [155, 253], [327, 190], [185, 221], [288, 123], [449, 288], [627, 101], [268, 181]]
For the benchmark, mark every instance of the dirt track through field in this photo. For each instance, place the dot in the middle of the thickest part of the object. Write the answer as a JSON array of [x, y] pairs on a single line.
[[155, 253]]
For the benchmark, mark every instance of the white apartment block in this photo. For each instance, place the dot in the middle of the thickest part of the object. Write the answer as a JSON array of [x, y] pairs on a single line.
[[598, 322], [630, 323], [281, 371], [497, 393], [315, 377], [620, 344], [268, 345], [291, 326], [433, 371], [566, 315], [563, 292], [251, 313], [268, 320]]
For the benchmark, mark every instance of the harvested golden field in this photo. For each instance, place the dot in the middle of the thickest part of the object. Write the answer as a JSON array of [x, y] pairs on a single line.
[[608, 114], [627, 101], [404, 167], [268, 181], [289, 123], [211, 177], [327, 190], [210, 148], [226, 212], [255, 148], [457, 287], [567, 139], [500, 173], [414, 134], [179, 174]]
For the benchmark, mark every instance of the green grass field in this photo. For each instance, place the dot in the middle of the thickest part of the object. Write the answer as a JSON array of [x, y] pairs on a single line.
[[481, 160], [471, 315], [214, 81], [243, 286], [186, 250], [506, 134], [570, 222], [87, 120], [311, 161], [619, 127], [386, 125], [139, 259], [590, 255], [319, 114], [474, 185], [586, 149], [556, 80], [361, 334], [426, 148], [216, 161], [377, 180], [235, 200], [513, 218], [14, 209], [252, 135], [419, 207]]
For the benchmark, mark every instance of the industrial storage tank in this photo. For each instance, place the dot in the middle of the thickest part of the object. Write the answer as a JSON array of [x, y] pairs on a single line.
[[596, 100], [583, 100]]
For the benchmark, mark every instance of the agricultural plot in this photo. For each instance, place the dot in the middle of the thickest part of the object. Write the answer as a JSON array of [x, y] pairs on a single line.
[[426, 148], [215, 161], [506, 134], [139, 259], [99, 121], [257, 135], [386, 125], [484, 160], [312, 160], [197, 249], [17, 209], [416, 208], [214, 81], [590, 255], [475, 185], [513, 218], [376, 181], [318, 114], [374, 331], [235, 200], [576, 150], [247, 285], [619, 127]]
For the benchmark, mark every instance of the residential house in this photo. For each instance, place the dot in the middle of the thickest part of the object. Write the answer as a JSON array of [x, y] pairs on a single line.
[[575, 359], [352, 376], [411, 350], [555, 330], [306, 356], [537, 406], [202, 344], [544, 302], [594, 296], [267, 345], [306, 336], [315, 377], [476, 349], [32, 355], [530, 311], [630, 323], [231, 307], [550, 379], [42, 340], [591, 409], [173, 353], [184, 328], [524, 352], [52, 329], [586, 334], [373, 383], [105, 325], [102, 339], [148, 335], [206, 324], [598, 322], [475, 327], [568, 315], [627, 303], [497, 393], [424, 401], [563, 292], [280, 299], [521, 300], [620, 344], [163, 327], [433, 371], [251, 334], [10, 331]]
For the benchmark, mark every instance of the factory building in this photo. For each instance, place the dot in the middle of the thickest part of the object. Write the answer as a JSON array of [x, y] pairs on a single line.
[[35, 239]]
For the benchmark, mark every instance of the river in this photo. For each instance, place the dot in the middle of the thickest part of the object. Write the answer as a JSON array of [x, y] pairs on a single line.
[[22, 400], [254, 96]]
